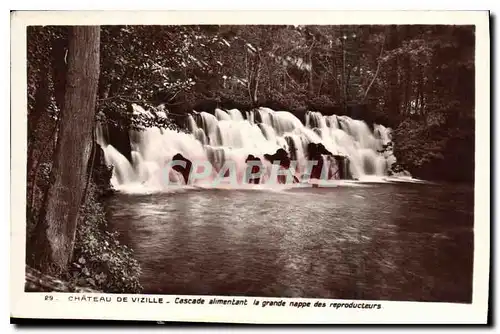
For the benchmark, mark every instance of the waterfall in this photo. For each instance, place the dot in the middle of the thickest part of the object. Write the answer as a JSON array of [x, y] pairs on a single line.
[[229, 135]]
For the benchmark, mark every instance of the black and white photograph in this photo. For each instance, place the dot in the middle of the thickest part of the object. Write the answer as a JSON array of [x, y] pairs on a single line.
[[309, 162]]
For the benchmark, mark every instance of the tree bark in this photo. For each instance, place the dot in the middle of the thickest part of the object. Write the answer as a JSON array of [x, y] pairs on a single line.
[[394, 100], [311, 78], [55, 233], [35, 119], [256, 86], [59, 55]]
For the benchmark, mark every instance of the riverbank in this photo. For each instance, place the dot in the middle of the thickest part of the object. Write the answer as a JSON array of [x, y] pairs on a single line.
[[36, 281]]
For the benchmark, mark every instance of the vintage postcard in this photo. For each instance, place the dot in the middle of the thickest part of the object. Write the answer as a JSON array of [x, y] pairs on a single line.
[[251, 167]]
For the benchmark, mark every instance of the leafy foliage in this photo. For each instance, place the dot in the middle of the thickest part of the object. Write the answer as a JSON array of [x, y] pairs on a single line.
[[100, 260]]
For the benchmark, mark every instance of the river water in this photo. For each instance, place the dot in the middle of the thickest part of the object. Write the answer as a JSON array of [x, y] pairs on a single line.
[[379, 241]]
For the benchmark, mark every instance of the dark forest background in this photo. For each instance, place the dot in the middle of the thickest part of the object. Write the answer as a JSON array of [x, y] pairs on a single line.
[[417, 79]]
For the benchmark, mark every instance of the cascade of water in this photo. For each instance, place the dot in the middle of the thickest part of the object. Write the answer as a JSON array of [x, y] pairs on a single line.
[[222, 115], [228, 136], [235, 115]]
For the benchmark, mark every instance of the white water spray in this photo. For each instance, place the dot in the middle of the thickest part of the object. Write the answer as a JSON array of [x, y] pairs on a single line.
[[227, 135]]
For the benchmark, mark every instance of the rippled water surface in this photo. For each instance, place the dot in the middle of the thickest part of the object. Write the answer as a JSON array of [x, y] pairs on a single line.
[[370, 241]]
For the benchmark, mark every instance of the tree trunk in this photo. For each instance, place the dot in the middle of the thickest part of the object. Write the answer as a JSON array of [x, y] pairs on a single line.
[[311, 81], [248, 72], [256, 86], [55, 232], [379, 62], [394, 101], [344, 81], [35, 118], [59, 55], [421, 93]]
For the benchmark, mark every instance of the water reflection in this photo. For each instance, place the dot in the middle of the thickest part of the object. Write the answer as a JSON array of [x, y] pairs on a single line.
[[393, 242]]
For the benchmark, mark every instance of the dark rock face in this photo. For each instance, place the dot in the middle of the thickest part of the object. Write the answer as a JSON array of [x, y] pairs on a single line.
[[101, 173], [343, 167], [120, 139], [183, 170], [315, 150], [315, 153], [281, 156], [256, 167]]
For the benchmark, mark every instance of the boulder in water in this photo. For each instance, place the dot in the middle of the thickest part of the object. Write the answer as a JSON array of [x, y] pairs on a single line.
[[316, 151], [281, 156], [185, 171], [256, 167]]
